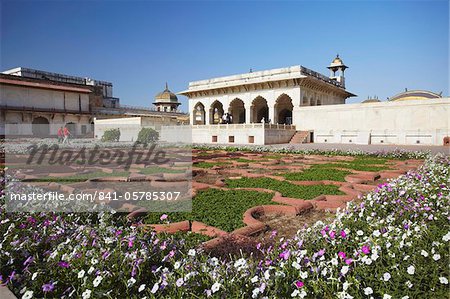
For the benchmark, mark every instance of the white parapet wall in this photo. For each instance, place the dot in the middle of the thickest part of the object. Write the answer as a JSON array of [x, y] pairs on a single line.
[[402, 122], [129, 127], [257, 133]]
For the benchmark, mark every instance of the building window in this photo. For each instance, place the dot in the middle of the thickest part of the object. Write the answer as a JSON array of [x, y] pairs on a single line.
[[214, 138], [83, 129], [251, 139], [231, 139]]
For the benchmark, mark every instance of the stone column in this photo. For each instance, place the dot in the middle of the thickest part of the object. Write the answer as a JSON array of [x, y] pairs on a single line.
[[272, 116], [248, 114], [207, 116]]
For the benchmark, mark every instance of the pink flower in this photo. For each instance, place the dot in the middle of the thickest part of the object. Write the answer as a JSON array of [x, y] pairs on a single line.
[[332, 234], [343, 234], [299, 284], [163, 217], [365, 249], [285, 254], [348, 261], [342, 254]]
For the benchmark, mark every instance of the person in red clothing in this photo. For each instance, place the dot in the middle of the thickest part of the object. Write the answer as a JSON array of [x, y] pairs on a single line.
[[60, 134], [66, 133]]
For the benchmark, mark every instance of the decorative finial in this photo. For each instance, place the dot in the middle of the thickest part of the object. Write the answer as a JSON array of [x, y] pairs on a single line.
[[167, 86], [337, 55], [251, 70]]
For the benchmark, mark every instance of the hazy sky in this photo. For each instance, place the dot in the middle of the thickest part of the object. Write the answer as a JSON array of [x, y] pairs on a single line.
[[139, 45]]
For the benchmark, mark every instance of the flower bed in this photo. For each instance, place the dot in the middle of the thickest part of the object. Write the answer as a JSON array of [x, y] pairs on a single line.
[[393, 244], [219, 208], [285, 188]]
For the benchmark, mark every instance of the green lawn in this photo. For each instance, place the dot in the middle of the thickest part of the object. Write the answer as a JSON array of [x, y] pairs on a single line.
[[317, 174], [219, 208], [285, 188]]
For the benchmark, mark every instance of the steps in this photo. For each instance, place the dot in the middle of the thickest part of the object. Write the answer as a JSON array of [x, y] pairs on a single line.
[[299, 137]]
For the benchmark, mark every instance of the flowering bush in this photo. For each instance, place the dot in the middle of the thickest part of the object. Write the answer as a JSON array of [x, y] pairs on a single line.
[[393, 243]]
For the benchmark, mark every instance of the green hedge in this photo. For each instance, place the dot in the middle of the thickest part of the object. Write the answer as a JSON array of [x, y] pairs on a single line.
[[111, 135]]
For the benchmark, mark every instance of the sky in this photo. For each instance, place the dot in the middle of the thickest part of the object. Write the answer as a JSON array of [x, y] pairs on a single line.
[[140, 45]]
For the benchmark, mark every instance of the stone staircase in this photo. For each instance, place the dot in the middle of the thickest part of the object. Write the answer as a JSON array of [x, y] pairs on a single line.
[[299, 137]]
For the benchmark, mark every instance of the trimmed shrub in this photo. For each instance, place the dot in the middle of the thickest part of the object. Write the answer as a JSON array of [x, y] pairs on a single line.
[[111, 135], [147, 135]]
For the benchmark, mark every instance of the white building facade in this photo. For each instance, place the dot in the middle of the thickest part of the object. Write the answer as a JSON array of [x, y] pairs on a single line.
[[296, 105]]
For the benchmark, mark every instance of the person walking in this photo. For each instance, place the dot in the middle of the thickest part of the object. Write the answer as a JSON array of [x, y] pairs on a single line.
[[60, 134], [66, 135]]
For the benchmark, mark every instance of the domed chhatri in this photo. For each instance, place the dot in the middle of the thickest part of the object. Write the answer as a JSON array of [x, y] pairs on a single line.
[[166, 101], [337, 69]]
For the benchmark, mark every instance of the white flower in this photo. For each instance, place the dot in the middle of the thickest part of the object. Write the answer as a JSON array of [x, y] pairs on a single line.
[[34, 276], [97, 280], [94, 261], [424, 253], [303, 274], [436, 257], [360, 233], [411, 270], [91, 269], [334, 261], [255, 293], [155, 288], [368, 291], [345, 286], [386, 276], [443, 280], [344, 270], [177, 265], [376, 233], [27, 295], [446, 238], [131, 282], [254, 279], [409, 284], [141, 288], [405, 297], [295, 293], [81, 274], [386, 296], [191, 252], [215, 287], [179, 282], [296, 265], [86, 294]]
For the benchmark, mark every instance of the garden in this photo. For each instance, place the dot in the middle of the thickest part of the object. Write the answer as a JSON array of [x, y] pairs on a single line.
[[377, 226]]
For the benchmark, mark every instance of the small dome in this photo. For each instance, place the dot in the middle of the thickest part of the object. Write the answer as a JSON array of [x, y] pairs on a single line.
[[337, 60], [166, 96], [415, 95]]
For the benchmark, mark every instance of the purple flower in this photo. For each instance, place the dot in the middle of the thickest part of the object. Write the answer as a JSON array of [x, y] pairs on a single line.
[[63, 264], [321, 252], [342, 254], [365, 249], [285, 254], [343, 234], [48, 287], [163, 217], [348, 261]]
